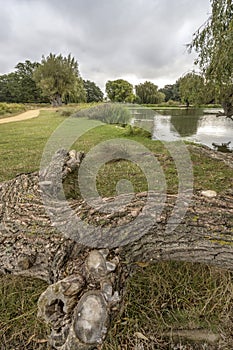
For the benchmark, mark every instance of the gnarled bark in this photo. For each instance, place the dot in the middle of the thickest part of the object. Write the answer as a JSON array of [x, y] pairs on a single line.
[[87, 284], [56, 100]]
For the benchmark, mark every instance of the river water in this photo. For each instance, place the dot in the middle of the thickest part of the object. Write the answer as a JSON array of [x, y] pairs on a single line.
[[195, 125]]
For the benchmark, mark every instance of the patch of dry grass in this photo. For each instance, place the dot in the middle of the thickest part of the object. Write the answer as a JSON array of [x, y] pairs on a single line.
[[162, 300], [168, 297], [19, 327]]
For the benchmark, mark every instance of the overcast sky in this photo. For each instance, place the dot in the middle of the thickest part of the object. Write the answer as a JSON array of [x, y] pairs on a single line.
[[136, 40]]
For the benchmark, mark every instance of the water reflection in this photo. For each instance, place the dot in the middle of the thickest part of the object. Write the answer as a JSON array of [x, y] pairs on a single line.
[[143, 117], [185, 126], [184, 121], [191, 125], [140, 113], [217, 130], [164, 130]]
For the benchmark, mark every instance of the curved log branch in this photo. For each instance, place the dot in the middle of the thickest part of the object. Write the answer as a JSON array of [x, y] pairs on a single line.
[[87, 285]]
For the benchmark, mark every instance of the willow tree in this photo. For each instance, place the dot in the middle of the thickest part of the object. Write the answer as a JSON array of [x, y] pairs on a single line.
[[214, 45], [148, 93], [59, 79], [191, 88]]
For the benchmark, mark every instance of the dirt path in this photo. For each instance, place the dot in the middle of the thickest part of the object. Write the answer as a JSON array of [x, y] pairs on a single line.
[[22, 116]]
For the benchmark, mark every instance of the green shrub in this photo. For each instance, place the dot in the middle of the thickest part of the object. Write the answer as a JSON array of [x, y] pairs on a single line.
[[131, 130], [173, 103], [11, 108], [108, 113], [66, 112]]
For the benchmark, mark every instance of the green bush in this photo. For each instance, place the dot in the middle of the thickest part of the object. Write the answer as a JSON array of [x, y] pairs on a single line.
[[109, 113], [173, 103], [131, 130], [66, 112], [11, 108]]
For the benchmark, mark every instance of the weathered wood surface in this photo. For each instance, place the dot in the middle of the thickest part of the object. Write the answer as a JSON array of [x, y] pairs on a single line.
[[87, 284]]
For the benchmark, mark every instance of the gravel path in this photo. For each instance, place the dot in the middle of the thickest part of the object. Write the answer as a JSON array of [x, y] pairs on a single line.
[[22, 116]]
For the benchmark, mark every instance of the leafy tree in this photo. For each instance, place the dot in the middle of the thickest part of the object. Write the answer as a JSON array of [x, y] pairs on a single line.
[[171, 92], [213, 43], [93, 92], [19, 86], [9, 88], [148, 93], [119, 91], [28, 91], [191, 88], [59, 79]]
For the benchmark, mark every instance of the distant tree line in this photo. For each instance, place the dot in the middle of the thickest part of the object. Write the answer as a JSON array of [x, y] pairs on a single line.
[[56, 79], [190, 89]]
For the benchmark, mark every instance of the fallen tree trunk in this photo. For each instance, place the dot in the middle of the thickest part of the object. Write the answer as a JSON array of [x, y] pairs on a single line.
[[87, 281]]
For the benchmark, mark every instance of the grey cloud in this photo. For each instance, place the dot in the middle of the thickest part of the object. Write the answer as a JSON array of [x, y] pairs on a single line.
[[110, 39]]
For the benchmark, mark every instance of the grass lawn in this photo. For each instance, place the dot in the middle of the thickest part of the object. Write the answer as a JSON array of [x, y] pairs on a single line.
[[161, 298], [22, 143]]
